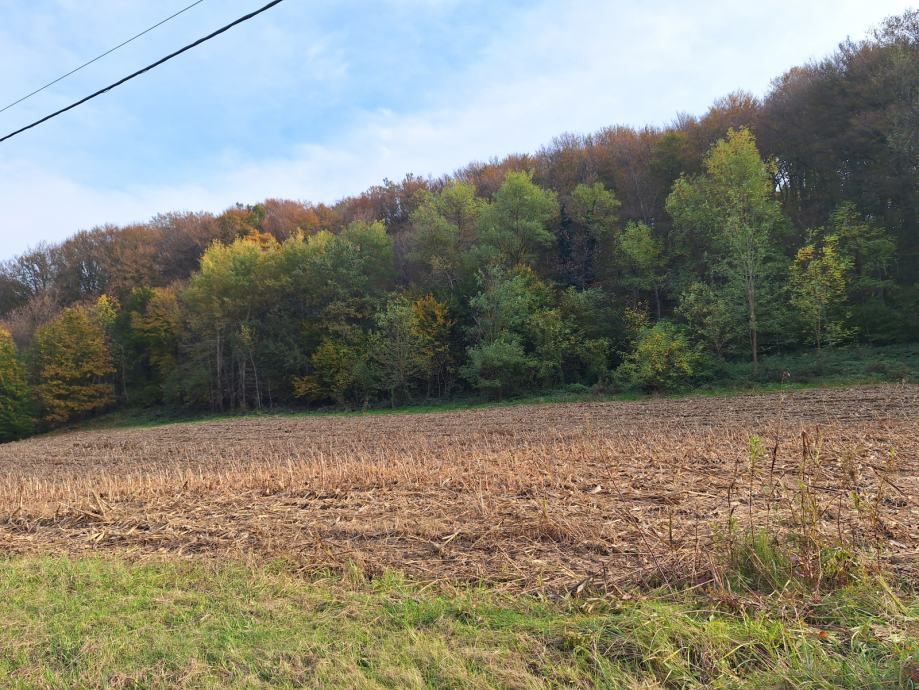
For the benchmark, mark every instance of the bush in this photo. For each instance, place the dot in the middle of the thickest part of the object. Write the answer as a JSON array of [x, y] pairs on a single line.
[[663, 360], [499, 367]]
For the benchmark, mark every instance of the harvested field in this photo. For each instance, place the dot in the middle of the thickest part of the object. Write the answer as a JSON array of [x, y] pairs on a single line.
[[532, 496]]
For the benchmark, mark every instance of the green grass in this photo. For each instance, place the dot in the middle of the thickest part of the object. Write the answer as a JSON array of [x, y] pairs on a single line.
[[837, 366], [96, 623]]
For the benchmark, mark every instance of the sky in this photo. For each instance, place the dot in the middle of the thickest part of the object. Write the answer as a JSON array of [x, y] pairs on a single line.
[[319, 99]]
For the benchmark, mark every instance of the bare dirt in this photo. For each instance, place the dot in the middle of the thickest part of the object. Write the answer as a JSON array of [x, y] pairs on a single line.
[[532, 496]]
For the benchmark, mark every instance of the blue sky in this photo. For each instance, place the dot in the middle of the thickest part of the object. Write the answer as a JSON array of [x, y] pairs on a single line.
[[318, 99]]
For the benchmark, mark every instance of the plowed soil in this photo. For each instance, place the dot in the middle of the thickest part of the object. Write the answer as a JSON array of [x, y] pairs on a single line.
[[532, 496]]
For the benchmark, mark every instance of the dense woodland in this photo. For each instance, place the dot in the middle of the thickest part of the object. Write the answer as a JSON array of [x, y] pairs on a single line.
[[618, 260]]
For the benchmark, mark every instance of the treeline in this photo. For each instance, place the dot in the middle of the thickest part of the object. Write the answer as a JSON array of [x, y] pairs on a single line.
[[626, 258]]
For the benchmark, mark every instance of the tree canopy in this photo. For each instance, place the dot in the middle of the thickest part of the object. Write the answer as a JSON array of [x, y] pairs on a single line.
[[622, 258]]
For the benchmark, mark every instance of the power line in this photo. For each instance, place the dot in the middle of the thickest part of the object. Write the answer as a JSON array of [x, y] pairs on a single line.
[[139, 72], [99, 57]]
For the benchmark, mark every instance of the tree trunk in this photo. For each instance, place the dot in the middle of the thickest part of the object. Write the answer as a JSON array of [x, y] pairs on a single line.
[[219, 376], [751, 305], [258, 393]]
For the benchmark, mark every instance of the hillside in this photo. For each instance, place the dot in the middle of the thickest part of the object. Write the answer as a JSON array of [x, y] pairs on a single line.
[[625, 260]]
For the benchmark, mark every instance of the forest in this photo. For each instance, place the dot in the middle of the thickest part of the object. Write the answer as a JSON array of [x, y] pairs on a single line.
[[626, 259]]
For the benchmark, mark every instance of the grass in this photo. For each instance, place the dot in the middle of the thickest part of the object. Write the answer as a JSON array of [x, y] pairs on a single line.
[[97, 623], [780, 600], [835, 366], [839, 367]]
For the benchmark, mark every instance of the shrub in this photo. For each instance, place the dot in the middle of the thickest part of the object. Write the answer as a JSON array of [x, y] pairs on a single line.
[[663, 360], [499, 367]]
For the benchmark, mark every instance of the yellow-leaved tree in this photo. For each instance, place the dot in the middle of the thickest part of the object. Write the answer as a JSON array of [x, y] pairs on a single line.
[[818, 289], [74, 364]]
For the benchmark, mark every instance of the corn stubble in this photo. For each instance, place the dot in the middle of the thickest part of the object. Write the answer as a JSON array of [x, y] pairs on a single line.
[[537, 497]]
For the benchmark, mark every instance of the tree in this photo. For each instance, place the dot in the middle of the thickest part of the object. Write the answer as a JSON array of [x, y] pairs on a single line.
[[596, 323], [36, 270], [818, 288], [432, 319], [515, 226], [225, 301], [374, 251], [518, 336], [15, 406], [596, 208], [869, 251], [867, 248], [643, 260], [507, 304], [733, 210], [594, 214], [74, 366], [442, 228], [499, 366], [152, 333], [663, 360], [398, 349], [337, 372], [708, 317]]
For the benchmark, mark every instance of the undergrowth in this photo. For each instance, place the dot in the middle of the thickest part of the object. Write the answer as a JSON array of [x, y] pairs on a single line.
[[844, 366]]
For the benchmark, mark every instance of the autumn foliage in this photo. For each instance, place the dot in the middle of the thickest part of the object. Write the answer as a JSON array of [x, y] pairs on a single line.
[[74, 365], [623, 258]]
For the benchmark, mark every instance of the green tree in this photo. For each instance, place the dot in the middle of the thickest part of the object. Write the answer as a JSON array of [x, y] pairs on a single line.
[[154, 331], [598, 331], [500, 357], [337, 282], [642, 256], [519, 338], [597, 209], [708, 316], [731, 211], [870, 251], [442, 229], [499, 366], [663, 360], [594, 214], [16, 420], [398, 349], [514, 228], [74, 366], [338, 372], [225, 302], [432, 319], [375, 253], [818, 289]]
